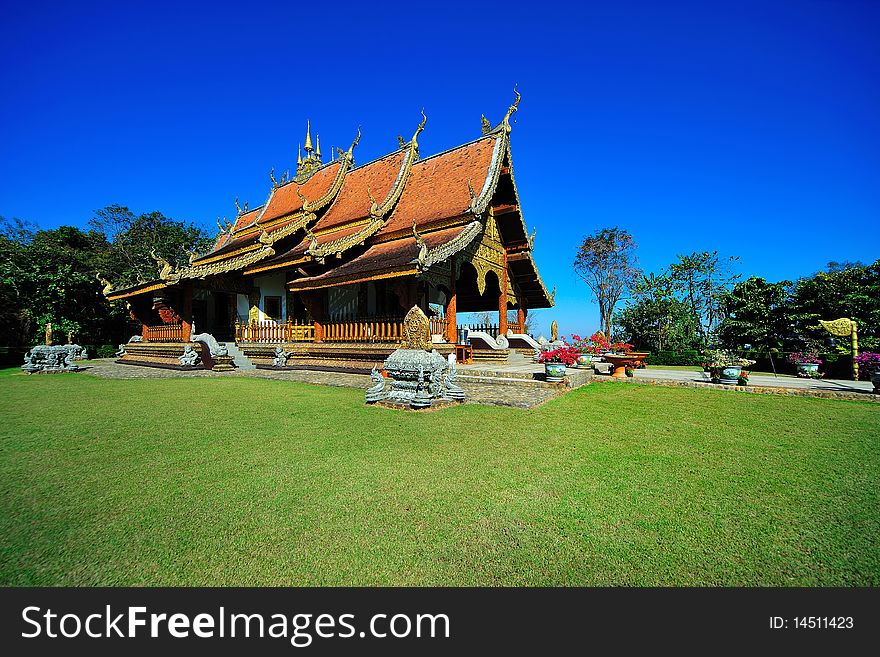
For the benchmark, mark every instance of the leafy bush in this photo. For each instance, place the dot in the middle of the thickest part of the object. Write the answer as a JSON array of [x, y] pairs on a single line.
[[687, 357], [106, 351]]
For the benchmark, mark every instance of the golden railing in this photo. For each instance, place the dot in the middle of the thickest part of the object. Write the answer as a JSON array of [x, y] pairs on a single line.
[[362, 330], [515, 327], [380, 330], [438, 325], [163, 333], [289, 331]]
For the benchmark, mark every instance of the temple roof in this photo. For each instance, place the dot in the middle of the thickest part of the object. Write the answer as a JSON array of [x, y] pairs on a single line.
[[383, 260], [394, 215], [437, 189]]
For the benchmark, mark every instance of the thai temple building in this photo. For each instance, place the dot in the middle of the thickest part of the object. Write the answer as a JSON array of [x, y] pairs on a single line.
[[329, 265]]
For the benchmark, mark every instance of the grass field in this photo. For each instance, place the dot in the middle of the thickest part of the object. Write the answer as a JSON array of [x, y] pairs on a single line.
[[259, 482]]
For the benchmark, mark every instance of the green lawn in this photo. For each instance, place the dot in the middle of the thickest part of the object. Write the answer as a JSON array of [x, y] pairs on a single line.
[[260, 482]]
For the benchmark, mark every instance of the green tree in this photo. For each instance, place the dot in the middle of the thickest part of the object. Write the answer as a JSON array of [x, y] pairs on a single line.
[[842, 290], [702, 280], [758, 314], [654, 319], [133, 238], [49, 276], [606, 261]]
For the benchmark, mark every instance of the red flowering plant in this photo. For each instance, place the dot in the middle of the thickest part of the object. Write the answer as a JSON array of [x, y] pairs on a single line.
[[621, 347], [597, 345], [565, 355]]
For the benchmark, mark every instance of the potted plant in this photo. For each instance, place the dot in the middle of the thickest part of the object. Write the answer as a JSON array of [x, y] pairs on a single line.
[[556, 360], [743, 379], [807, 364], [586, 349], [725, 366], [630, 369], [869, 361], [621, 347]]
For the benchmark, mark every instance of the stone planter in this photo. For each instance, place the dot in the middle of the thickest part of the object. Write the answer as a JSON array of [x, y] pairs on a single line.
[[554, 372], [730, 374], [810, 370]]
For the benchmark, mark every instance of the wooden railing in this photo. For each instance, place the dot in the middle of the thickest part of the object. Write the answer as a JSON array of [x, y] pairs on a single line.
[[515, 327], [289, 331], [163, 333], [366, 330], [438, 325], [388, 329]]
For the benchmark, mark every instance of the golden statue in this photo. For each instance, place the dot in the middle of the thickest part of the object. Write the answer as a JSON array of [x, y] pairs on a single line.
[[554, 331], [416, 330], [48, 333]]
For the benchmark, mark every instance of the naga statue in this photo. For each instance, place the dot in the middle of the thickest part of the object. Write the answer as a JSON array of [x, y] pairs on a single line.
[[376, 392], [165, 267]]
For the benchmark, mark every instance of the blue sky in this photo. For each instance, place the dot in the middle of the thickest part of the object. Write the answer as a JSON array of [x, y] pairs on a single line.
[[750, 128]]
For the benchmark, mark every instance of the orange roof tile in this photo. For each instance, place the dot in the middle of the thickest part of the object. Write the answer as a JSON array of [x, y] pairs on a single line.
[[437, 188], [353, 203], [284, 199]]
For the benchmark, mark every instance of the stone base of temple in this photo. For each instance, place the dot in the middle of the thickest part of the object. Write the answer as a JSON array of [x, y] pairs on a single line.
[[405, 406], [491, 355], [54, 371], [351, 357], [223, 364], [161, 354]]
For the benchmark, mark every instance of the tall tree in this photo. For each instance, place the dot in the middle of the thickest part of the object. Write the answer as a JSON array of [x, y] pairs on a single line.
[[702, 280], [606, 261], [757, 313], [842, 290], [133, 237], [654, 319]]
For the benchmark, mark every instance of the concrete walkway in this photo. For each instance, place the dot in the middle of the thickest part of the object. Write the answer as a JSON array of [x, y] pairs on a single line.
[[758, 380], [758, 383]]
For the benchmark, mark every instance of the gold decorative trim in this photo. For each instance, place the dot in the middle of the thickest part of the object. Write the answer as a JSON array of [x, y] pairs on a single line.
[[378, 212], [445, 251], [125, 294]]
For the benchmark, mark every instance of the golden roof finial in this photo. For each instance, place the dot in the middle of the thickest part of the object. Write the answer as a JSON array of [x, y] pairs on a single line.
[[308, 146], [420, 128], [511, 109], [318, 146], [299, 155], [355, 142]]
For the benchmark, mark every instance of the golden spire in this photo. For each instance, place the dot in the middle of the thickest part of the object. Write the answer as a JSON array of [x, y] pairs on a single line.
[[299, 155], [318, 146], [308, 146]]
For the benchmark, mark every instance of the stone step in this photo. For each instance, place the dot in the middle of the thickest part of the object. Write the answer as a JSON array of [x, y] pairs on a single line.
[[241, 361]]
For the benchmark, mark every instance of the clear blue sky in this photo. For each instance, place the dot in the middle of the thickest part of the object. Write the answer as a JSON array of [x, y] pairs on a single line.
[[750, 128]]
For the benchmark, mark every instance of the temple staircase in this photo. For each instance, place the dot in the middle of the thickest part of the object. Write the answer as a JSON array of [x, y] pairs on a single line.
[[241, 361]]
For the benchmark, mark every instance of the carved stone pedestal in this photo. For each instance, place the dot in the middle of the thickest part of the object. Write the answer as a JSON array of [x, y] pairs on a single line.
[[223, 364]]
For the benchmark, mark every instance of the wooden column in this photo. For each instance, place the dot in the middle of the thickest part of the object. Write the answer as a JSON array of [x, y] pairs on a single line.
[[451, 330], [521, 317], [186, 313], [502, 301]]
